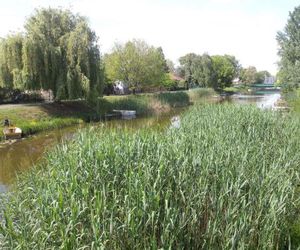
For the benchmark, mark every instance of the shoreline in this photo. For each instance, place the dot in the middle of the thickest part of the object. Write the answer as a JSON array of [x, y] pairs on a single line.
[[35, 118]]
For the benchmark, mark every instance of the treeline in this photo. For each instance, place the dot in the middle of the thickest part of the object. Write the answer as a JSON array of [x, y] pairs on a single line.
[[289, 51], [58, 51], [139, 64]]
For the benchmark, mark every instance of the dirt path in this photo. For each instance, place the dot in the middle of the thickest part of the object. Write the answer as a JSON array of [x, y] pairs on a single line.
[[10, 106]]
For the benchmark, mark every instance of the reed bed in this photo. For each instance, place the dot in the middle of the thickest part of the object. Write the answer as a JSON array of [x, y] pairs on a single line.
[[155, 102], [225, 179]]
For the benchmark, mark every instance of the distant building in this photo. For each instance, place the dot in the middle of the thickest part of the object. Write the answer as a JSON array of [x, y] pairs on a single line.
[[175, 77], [269, 80], [120, 88], [236, 80]]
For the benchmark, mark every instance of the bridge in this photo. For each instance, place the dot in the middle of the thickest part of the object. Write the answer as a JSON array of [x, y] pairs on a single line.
[[262, 85]]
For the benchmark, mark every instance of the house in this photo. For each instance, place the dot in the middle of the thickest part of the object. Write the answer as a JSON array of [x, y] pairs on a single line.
[[121, 88]]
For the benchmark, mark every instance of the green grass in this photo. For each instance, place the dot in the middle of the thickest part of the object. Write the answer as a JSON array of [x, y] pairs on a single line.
[[35, 118], [154, 103], [293, 100], [224, 180]]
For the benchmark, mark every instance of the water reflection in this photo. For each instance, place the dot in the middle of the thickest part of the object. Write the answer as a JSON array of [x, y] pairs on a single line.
[[21, 155], [262, 99]]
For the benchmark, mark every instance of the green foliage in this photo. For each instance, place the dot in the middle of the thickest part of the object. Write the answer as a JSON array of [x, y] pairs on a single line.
[[250, 75], [154, 103], [186, 63], [292, 96], [11, 61], [289, 51], [57, 52], [136, 64], [171, 66], [198, 70], [205, 71], [226, 69], [169, 83], [229, 185], [261, 75], [37, 118]]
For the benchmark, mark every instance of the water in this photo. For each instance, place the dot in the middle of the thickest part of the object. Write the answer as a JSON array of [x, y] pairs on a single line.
[[262, 99], [19, 156]]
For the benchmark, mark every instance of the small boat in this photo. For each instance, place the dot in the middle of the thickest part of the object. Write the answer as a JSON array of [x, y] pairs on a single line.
[[126, 112], [12, 133]]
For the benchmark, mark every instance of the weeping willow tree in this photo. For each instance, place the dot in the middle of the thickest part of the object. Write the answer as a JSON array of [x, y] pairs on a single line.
[[11, 61], [58, 52]]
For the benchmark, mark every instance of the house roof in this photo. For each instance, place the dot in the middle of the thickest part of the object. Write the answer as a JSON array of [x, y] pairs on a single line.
[[175, 77]]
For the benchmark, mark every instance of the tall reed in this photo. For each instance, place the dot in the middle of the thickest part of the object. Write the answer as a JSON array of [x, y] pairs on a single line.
[[224, 180]]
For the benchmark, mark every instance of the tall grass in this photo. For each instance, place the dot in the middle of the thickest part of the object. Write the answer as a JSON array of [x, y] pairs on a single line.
[[293, 99], [224, 180], [155, 102]]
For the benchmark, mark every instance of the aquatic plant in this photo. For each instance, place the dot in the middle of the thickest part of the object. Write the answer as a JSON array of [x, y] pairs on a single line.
[[224, 180]]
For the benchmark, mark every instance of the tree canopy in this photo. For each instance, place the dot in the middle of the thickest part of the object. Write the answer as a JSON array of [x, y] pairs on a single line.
[[248, 75], [57, 52], [206, 71], [289, 50], [226, 68], [136, 63]]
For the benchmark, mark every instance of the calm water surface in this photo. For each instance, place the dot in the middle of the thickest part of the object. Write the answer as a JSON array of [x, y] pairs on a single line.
[[21, 155]]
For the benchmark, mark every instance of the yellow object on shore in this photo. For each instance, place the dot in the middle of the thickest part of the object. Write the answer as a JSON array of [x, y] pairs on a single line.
[[12, 133]]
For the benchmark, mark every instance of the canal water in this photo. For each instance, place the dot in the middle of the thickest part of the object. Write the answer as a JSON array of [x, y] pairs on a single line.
[[19, 156]]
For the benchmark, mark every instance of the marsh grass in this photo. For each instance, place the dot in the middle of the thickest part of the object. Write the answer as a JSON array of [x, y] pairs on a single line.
[[224, 180], [155, 102], [293, 99], [36, 118]]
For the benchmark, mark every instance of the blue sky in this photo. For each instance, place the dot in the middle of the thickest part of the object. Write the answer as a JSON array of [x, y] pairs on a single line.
[[244, 28]]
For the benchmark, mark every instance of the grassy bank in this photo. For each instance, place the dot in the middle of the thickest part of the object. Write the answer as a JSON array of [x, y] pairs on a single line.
[[293, 100], [155, 102], [35, 118], [224, 180]]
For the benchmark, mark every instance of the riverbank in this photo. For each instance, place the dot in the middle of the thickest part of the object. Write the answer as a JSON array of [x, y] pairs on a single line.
[[293, 100], [33, 118], [224, 179]]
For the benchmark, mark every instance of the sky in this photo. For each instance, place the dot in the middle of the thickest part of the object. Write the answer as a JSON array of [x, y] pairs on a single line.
[[244, 28]]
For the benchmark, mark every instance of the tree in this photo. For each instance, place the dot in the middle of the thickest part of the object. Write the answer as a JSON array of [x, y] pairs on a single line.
[[11, 61], [136, 63], [226, 69], [289, 50], [202, 71], [165, 63], [261, 76], [58, 52], [171, 66], [186, 65], [248, 76]]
